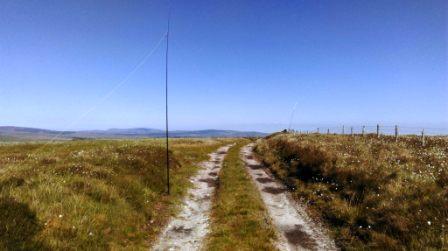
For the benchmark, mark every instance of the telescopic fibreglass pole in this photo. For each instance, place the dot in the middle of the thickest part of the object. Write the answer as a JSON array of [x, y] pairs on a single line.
[[166, 110]]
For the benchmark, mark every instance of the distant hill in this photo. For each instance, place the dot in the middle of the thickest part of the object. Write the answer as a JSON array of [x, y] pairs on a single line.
[[26, 133]]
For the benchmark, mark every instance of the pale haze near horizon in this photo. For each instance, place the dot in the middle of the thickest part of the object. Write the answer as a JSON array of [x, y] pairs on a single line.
[[233, 65]]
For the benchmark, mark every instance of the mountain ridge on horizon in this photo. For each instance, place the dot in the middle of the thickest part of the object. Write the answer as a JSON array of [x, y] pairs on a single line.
[[30, 133]]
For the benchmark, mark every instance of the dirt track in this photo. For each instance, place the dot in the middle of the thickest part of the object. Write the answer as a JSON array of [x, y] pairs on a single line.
[[296, 231], [187, 230]]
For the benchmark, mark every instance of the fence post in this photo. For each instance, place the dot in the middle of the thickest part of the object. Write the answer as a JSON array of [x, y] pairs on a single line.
[[328, 131], [343, 129], [396, 133], [363, 130], [351, 131], [377, 130], [423, 137]]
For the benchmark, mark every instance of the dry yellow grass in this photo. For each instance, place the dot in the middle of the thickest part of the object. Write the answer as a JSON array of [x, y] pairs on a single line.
[[239, 217], [94, 194], [373, 193]]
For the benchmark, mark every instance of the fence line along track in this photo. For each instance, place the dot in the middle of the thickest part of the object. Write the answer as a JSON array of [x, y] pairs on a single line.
[[378, 130]]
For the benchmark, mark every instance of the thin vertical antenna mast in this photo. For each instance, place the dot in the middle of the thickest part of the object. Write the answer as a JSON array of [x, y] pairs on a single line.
[[166, 107], [292, 116]]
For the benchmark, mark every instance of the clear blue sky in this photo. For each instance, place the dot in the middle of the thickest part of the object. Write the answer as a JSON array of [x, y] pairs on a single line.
[[234, 64]]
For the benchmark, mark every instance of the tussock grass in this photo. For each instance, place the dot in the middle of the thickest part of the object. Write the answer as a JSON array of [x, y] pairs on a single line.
[[239, 218], [93, 194], [373, 193]]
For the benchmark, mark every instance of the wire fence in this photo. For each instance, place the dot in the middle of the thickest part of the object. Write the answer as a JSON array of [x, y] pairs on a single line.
[[377, 130], [395, 130]]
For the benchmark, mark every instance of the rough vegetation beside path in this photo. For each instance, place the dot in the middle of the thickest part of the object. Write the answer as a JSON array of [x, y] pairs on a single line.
[[187, 230], [93, 194], [372, 193], [295, 229], [239, 217]]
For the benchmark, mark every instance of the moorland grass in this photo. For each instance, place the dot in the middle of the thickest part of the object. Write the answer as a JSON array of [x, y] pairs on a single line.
[[239, 219], [93, 194], [372, 193]]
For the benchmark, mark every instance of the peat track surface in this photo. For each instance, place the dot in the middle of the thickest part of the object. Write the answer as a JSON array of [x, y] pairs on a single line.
[[296, 231], [188, 229]]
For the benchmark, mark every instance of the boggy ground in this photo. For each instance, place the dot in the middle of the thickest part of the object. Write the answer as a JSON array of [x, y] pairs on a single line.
[[95, 194], [372, 193]]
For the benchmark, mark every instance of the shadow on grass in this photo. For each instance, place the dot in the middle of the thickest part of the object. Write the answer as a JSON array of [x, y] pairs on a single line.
[[18, 226]]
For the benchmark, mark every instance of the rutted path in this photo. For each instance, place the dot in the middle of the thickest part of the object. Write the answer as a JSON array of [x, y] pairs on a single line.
[[187, 230], [296, 230]]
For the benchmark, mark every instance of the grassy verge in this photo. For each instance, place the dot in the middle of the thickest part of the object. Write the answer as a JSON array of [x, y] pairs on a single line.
[[94, 194], [373, 193], [239, 219]]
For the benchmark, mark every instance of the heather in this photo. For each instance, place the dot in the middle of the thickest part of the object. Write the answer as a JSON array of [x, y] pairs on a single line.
[[373, 193]]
